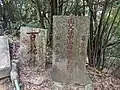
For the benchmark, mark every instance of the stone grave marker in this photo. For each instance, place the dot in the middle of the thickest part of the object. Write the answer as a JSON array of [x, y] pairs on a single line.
[[33, 46], [69, 49], [5, 66]]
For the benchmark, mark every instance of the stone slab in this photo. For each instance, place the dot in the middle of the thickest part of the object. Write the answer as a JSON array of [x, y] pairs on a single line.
[[69, 49], [33, 46], [58, 86], [5, 66]]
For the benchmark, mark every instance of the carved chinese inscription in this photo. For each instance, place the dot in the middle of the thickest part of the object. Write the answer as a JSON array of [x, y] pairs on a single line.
[[70, 41], [33, 50]]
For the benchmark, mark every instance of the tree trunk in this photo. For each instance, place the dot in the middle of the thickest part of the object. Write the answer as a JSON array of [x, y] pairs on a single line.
[[53, 11], [41, 17]]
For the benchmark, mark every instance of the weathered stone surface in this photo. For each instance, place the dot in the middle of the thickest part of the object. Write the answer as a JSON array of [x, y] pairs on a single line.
[[58, 86], [33, 46], [4, 57], [116, 73], [69, 49]]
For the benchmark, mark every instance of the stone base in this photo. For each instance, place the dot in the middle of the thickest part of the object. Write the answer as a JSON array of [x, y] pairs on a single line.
[[5, 72], [87, 86], [58, 86]]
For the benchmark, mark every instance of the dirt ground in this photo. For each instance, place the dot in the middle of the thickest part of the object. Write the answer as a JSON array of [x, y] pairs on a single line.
[[31, 79]]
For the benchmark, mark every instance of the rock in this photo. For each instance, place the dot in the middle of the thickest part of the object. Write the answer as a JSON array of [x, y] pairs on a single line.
[[116, 73], [5, 66]]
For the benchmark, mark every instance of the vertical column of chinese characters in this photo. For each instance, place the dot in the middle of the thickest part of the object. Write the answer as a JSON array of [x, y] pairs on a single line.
[[83, 40], [33, 49], [70, 42]]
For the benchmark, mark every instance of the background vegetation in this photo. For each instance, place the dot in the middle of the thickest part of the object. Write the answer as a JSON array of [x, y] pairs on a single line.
[[104, 16]]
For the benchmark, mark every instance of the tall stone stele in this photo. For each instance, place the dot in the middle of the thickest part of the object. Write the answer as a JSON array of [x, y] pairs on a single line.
[[33, 46], [69, 49]]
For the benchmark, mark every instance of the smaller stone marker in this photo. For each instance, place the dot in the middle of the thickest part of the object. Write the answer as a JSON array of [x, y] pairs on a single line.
[[33, 43], [5, 66]]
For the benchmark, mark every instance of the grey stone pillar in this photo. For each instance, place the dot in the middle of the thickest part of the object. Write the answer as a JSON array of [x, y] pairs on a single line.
[[69, 49]]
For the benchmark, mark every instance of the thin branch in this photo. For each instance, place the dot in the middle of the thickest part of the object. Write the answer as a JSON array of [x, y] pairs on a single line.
[[46, 17], [102, 16], [66, 5], [83, 7], [98, 3], [111, 44], [63, 3], [113, 22], [103, 30], [39, 12]]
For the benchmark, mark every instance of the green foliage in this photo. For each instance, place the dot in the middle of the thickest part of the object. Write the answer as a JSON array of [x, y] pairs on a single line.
[[34, 24], [39, 13]]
